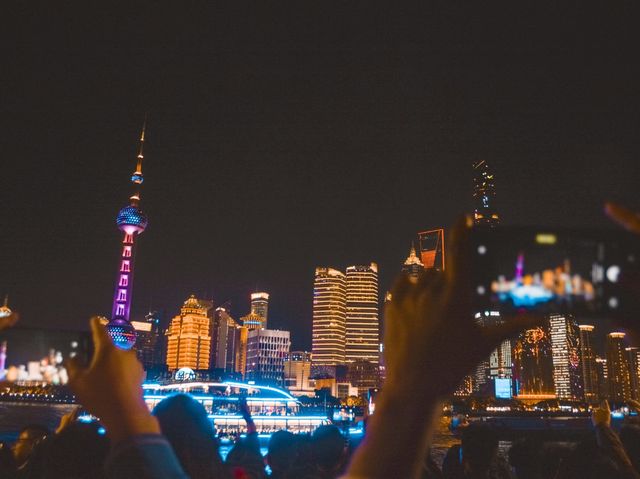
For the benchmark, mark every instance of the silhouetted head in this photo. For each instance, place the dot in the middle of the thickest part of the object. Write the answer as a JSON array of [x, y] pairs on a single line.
[[328, 446], [79, 451], [282, 451], [245, 462], [185, 424], [479, 448], [29, 437]]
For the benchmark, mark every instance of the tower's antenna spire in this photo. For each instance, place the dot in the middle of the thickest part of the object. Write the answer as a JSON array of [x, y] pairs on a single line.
[[141, 149], [137, 177], [6, 300]]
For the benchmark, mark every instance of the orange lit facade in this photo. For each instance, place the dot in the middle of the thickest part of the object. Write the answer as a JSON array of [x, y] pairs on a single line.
[[432, 251], [189, 337]]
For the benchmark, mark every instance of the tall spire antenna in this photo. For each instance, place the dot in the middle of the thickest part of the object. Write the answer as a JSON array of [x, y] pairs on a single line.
[[6, 300], [141, 150]]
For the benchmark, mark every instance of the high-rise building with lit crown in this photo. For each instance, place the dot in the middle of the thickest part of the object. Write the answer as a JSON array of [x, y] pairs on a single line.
[[565, 351], [329, 317], [260, 305], [132, 222], [588, 362], [189, 337], [484, 193], [618, 374], [412, 266], [362, 323]]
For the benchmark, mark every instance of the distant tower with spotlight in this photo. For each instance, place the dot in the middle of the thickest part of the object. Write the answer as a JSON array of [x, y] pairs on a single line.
[[131, 221], [484, 193]]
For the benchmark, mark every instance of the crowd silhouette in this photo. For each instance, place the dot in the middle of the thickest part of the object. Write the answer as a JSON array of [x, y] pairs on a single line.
[[426, 357]]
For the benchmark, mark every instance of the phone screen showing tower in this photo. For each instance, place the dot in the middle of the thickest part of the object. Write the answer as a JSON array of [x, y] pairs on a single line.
[[546, 270]]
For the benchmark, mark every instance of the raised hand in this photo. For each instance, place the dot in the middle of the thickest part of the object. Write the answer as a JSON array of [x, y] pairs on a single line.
[[431, 338], [601, 416], [111, 387]]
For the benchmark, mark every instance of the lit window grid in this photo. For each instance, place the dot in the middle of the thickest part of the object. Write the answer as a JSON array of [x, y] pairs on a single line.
[[329, 317], [189, 342], [362, 321]]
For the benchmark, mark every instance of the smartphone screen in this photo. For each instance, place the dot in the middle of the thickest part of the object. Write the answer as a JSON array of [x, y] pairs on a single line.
[[555, 271], [38, 355]]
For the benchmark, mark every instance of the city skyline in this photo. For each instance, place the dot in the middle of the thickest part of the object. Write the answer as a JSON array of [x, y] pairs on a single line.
[[275, 148]]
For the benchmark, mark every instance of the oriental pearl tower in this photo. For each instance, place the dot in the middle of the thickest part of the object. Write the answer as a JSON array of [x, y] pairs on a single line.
[[131, 221]]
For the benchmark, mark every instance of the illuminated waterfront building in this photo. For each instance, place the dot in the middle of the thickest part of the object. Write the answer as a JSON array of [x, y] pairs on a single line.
[[149, 342], [252, 321], [499, 363], [412, 265], [241, 351], [588, 362], [297, 373], [533, 364], [633, 356], [225, 340], [484, 193], [260, 306], [565, 349], [363, 375], [266, 352], [132, 222], [362, 323], [189, 337], [603, 378], [329, 317], [618, 373]]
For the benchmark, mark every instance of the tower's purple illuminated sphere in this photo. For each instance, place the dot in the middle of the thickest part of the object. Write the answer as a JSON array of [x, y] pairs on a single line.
[[131, 220], [122, 333]]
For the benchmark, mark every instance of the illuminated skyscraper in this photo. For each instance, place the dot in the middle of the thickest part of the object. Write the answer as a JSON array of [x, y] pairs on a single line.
[[132, 222], [533, 364], [618, 368], [225, 340], [603, 378], [260, 305], [329, 317], [499, 363], [189, 337], [484, 193], [362, 325], [148, 341], [252, 321], [432, 249], [633, 356], [588, 362], [266, 353], [257, 317], [297, 373], [565, 347], [412, 265]]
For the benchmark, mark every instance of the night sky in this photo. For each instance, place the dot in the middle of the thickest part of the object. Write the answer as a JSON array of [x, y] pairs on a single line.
[[281, 138]]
